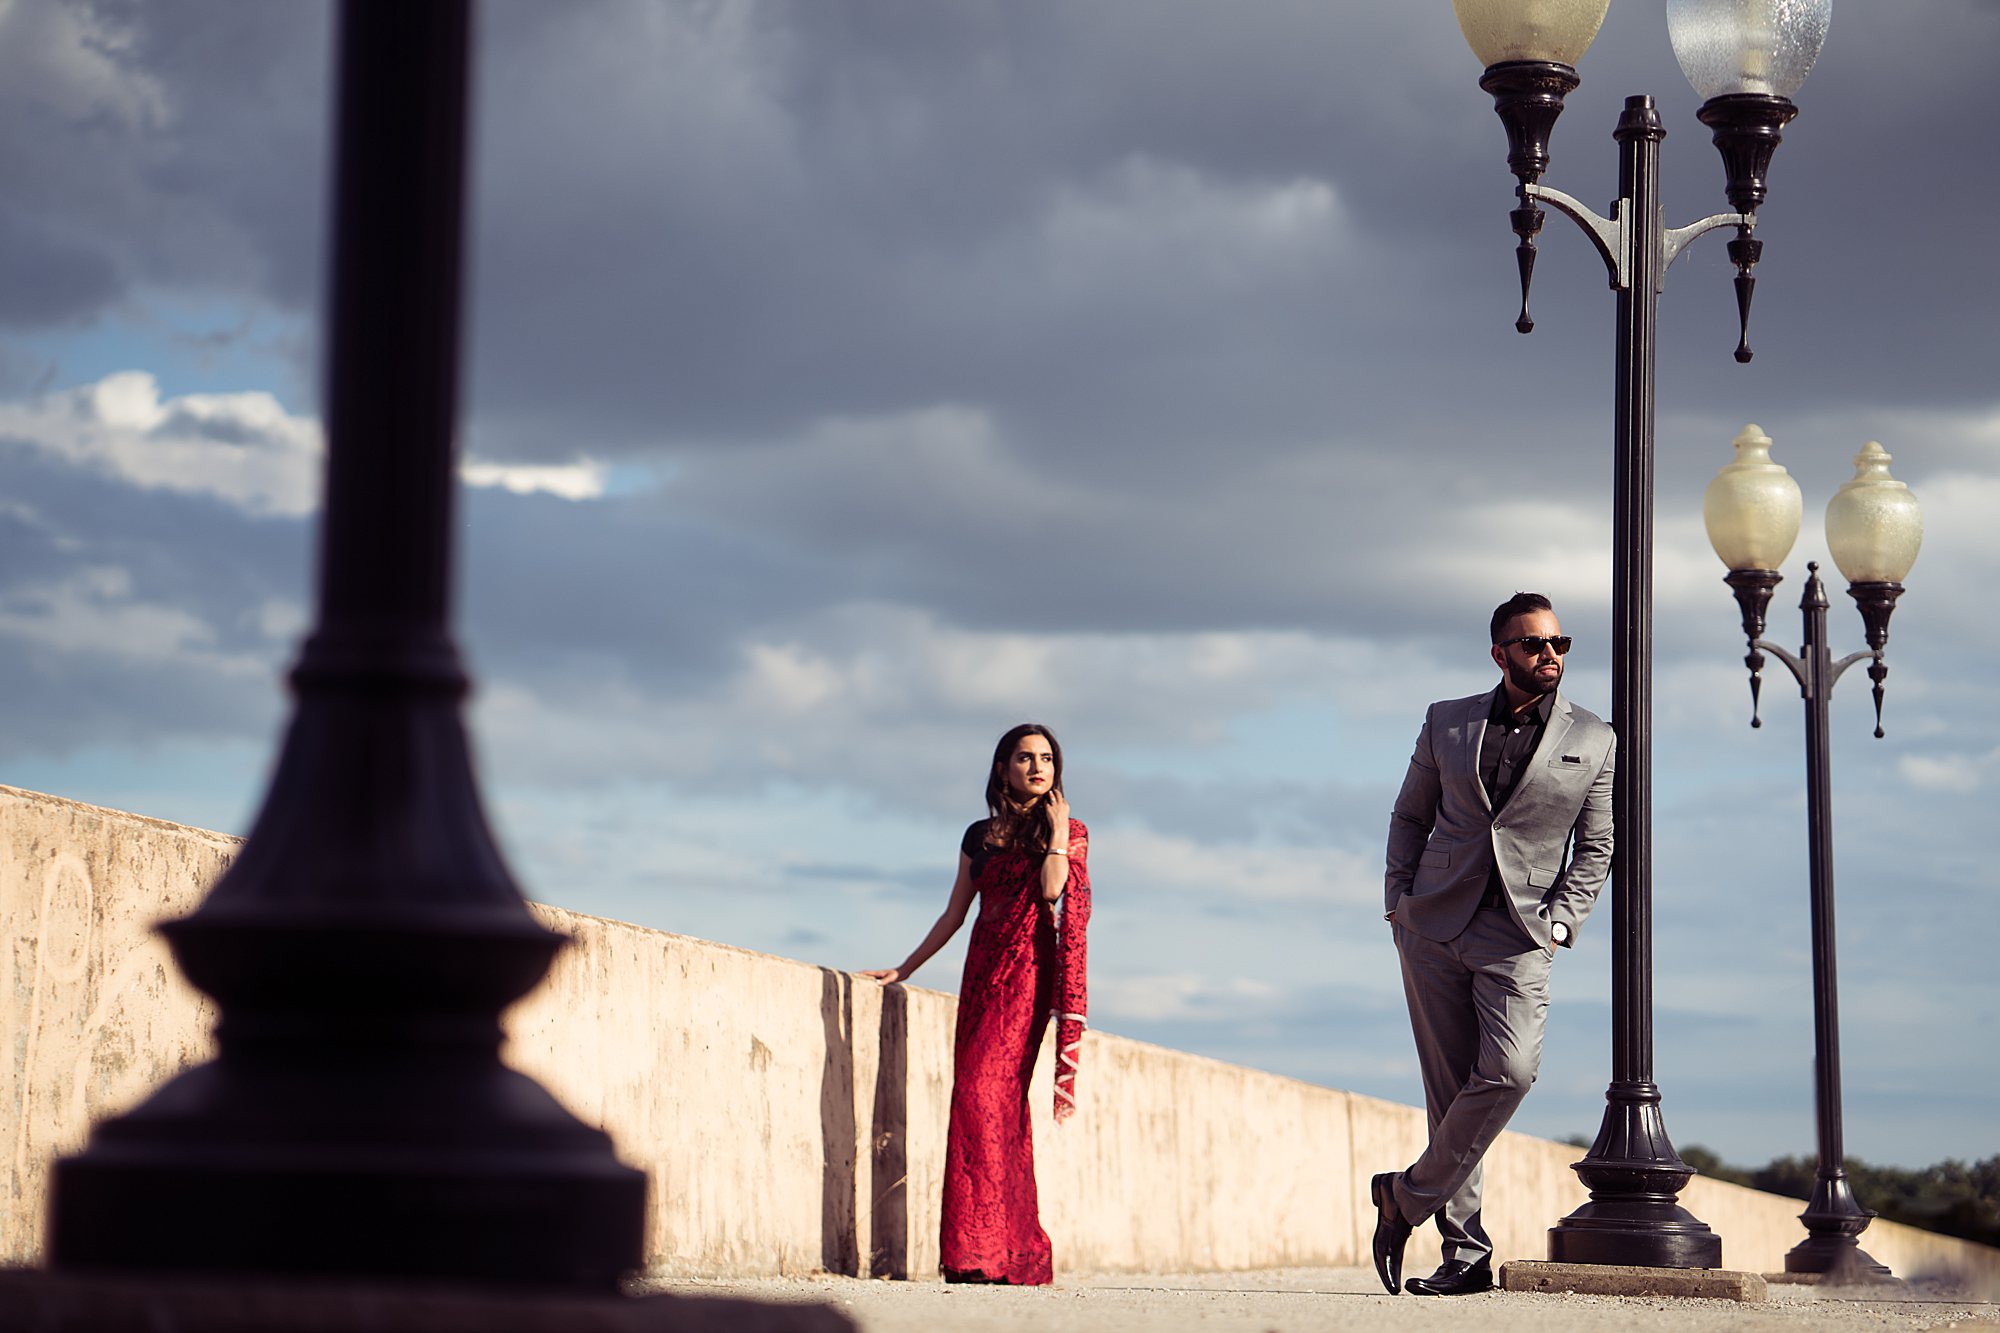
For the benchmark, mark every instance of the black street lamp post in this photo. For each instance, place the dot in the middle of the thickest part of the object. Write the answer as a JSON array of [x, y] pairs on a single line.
[[1746, 57], [1874, 528], [357, 1119]]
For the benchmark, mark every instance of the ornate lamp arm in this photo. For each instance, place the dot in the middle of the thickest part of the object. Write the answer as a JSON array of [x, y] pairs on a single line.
[[1678, 239], [1813, 669], [1611, 236], [1615, 238], [1801, 671]]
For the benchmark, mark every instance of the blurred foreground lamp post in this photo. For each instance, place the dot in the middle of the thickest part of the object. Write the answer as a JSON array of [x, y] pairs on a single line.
[[357, 1119], [1873, 528], [1746, 57]]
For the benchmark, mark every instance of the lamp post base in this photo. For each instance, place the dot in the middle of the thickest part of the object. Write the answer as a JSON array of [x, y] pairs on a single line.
[[1839, 1258], [1634, 1233], [146, 1302], [569, 1223], [1634, 1173], [1833, 1221]]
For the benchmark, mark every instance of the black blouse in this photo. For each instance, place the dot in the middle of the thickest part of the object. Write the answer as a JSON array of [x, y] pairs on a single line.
[[974, 845]]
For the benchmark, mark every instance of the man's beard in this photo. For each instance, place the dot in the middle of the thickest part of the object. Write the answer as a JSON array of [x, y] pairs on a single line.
[[1523, 678]]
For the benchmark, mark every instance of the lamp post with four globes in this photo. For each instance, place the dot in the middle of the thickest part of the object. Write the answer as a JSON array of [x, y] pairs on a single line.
[[1873, 528], [1746, 58]]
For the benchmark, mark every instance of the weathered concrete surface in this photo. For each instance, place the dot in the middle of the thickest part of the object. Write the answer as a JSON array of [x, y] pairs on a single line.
[[1320, 1300], [94, 1010], [789, 1118]]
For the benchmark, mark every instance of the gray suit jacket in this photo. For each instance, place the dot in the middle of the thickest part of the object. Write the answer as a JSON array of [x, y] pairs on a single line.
[[1552, 842]]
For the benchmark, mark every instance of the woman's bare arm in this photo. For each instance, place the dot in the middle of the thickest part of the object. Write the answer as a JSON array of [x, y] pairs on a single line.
[[947, 925], [1055, 866]]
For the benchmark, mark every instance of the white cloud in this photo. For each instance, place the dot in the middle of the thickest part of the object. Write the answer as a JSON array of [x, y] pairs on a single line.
[[880, 700], [1959, 507], [1172, 864], [789, 679], [581, 480], [875, 662], [1176, 996], [1958, 773], [279, 618], [241, 447], [93, 611], [1559, 548], [244, 448]]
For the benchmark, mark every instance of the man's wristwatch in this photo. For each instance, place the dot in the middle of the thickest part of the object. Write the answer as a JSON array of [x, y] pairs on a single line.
[[1560, 932]]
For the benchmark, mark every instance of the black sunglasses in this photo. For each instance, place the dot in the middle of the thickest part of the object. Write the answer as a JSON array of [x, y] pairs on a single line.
[[1532, 643]]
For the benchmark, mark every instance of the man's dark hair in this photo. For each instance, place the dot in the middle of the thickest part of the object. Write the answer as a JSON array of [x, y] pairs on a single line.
[[1518, 605]]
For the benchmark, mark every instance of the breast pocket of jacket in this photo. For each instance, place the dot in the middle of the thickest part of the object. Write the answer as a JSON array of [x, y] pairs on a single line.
[[1571, 767]]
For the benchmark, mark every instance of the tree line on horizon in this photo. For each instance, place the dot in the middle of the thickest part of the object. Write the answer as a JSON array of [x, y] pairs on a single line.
[[1951, 1197]]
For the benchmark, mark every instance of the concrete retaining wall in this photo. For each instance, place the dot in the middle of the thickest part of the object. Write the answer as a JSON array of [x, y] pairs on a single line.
[[789, 1117]]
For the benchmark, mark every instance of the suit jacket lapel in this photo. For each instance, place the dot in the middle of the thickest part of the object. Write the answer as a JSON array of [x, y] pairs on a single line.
[[1551, 743], [1475, 734]]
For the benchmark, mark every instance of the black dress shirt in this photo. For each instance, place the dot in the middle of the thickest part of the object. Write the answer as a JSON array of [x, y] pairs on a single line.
[[1510, 742]]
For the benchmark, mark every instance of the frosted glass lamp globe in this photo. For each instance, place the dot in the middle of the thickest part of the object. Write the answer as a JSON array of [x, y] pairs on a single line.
[[1555, 30], [1751, 508], [1874, 524], [1747, 46]]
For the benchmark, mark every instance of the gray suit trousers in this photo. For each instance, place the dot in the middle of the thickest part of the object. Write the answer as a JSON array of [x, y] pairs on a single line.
[[1477, 1006]]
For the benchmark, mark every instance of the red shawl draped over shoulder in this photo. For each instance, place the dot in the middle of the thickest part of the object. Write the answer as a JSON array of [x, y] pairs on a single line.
[[1072, 992]]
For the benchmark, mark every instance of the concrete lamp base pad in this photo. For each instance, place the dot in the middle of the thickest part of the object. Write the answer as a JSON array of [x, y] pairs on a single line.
[[147, 1303], [1856, 1278], [1715, 1284]]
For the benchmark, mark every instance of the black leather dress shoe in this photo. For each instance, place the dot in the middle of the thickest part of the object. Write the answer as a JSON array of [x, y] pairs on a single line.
[[1391, 1231], [1453, 1278]]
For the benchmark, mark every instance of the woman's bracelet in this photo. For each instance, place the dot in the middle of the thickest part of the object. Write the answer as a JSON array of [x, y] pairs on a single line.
[[1057, 851]]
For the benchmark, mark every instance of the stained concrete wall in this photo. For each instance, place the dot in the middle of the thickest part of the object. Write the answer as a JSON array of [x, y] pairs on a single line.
[[789, 1117]]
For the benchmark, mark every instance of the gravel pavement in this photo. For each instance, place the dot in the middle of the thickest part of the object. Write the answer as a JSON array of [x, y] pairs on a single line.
[[1306, 1300]]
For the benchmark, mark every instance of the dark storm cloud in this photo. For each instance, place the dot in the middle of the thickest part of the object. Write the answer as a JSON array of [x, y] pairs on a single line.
[[181, 550], [136, 618], [887, 230], [700, 223], [660, 598], [857, 222], [248, 143], [46, 278], [174, 145]]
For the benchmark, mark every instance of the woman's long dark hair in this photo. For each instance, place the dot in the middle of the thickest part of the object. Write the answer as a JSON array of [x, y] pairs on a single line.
[[1014, 823]]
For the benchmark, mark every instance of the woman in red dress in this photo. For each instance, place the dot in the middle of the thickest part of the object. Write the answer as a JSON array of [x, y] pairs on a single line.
[[1026, 863]]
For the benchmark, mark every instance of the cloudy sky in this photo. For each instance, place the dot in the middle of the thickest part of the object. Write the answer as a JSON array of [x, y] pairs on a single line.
[[850, 379]]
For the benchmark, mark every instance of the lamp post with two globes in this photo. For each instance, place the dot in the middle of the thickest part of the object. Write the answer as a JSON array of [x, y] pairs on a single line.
[[1746, 58], [1873, 528]]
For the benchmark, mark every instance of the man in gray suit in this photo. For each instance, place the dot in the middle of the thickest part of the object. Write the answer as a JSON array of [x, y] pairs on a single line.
[[1500, 840]]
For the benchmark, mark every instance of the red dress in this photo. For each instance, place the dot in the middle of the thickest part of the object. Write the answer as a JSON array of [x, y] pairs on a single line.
[[991, 1224]]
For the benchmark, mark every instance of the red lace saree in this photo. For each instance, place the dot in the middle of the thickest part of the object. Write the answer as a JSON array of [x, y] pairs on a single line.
[[1018, 968]]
